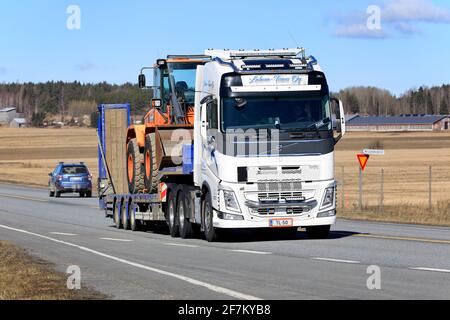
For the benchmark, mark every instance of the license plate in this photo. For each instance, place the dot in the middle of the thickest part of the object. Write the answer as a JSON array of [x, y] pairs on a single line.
[[75, 179], [281, 223]]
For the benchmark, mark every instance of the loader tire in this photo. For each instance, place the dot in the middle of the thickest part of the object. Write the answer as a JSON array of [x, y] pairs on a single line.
[[135, 168], [150, 166]]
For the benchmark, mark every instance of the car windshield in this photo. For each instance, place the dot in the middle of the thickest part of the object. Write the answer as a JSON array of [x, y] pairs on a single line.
[[74, 170], [284, 113]]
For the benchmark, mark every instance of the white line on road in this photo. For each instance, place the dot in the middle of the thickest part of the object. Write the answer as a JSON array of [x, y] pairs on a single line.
[[431, 269], [221, 290], [337, 260], [118, 240], [180, 245], [63, 234], [252, 252]]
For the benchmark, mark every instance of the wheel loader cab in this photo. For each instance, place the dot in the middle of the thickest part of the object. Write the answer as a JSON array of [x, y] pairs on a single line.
[[174, 85], [149, 146]]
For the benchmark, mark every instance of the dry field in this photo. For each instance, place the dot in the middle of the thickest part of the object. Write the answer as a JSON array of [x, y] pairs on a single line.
[[28, 155], [23, 277], [406, 177]]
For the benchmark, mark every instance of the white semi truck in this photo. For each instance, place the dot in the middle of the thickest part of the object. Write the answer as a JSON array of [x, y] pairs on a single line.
[[258, 155]]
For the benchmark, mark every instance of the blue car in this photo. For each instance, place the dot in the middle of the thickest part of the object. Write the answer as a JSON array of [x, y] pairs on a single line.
[[70, 178]]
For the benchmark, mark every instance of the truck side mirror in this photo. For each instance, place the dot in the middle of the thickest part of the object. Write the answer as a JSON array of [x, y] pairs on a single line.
[[142, 81], [340, 119]]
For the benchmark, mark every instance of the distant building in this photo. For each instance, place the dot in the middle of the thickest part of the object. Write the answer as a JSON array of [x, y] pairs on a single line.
[[399, 123], [18, 123], [7, 115]]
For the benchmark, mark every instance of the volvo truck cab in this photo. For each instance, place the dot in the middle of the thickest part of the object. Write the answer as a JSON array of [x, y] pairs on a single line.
[[264, 142]]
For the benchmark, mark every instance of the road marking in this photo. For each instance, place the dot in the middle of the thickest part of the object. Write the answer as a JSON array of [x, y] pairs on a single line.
[[211, 287], [180, 245], [252, 252], [337, 260], [22, 198], [431, 269], [373, 236], [63, 234], [118, 240]]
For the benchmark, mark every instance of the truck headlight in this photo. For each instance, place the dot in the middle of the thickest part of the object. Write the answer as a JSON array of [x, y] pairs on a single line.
[[328, 199], [230, 200]]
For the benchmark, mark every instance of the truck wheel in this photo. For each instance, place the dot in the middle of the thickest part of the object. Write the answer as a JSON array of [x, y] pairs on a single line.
[[150, 164], [89, 194], [116, 216], [58, 194], [51, 194], [172, 216], [183, 214], [211, 233], [125, 221], [135, 168], [134, 225], [320, 232]]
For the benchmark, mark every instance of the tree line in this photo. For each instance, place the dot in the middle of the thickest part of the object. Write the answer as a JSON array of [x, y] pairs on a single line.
[[379, 102], [40, 100], [67, 100]]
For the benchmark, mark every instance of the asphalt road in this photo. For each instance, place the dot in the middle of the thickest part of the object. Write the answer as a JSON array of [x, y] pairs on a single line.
[[414, 260]]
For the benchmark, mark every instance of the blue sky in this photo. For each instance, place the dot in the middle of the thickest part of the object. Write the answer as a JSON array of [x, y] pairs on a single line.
[[118, 37]]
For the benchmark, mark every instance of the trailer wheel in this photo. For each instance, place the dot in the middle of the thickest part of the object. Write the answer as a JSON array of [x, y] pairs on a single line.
[[172, 215], [116, 215], [135, 168], [320, 232], [125, 221], [150, 164], [134, 225], [211, 233], [184, 224]]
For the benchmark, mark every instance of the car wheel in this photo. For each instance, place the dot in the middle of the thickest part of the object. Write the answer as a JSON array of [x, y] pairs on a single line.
[[81, 195], [51, 194], [89, 194], [58, 194]]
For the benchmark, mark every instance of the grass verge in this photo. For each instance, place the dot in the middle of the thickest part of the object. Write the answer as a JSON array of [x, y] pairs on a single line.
[[23, 277], [403, 213]]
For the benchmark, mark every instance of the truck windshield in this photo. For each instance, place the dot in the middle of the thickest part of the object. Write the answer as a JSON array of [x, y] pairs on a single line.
[[284, 113]]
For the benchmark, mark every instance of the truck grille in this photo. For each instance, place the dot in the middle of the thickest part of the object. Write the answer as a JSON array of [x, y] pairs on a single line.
[[272, 211], [278, 196], [279, 186]]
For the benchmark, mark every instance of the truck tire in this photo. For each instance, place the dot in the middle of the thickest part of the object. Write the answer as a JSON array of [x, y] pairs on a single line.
[[116, 216], [125, 221], [89, 194], [135, 168], [183, 213], [319, 232], [150, 166], [134, 225], [58, 194], [171, 215], [51, 194], [211, 233]]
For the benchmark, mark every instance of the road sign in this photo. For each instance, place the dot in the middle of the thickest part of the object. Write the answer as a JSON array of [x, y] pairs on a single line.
[[363, 159], [371, 152]]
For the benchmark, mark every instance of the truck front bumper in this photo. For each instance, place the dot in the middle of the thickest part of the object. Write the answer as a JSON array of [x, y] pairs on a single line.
[[265, 222]]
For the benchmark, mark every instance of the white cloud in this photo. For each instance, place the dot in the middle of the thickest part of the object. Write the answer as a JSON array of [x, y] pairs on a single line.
[[359, 31], [85, 66], [415, 11], [397, 17]]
